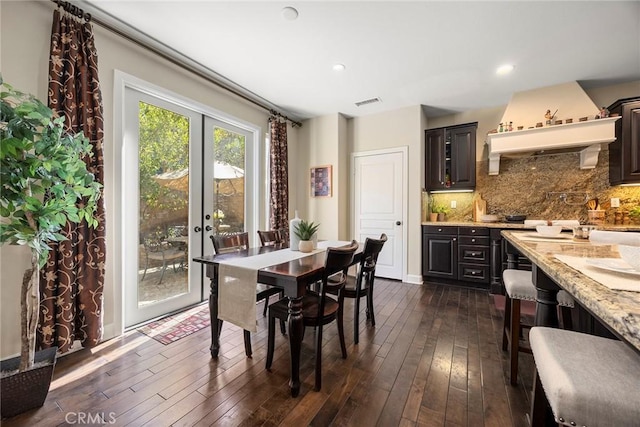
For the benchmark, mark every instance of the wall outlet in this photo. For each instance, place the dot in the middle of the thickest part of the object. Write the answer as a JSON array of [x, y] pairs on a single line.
[[454, 204], [615, 202]]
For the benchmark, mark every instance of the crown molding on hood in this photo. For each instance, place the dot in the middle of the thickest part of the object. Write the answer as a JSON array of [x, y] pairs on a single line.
[[589, 134]]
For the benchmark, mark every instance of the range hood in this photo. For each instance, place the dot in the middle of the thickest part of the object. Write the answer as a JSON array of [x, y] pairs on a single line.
[[527, 109]]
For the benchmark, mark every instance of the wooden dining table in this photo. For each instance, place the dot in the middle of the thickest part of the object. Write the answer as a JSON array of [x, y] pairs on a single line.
[[617, 310], [292, 276]]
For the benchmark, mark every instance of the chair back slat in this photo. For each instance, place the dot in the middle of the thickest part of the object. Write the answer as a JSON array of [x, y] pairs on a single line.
[[269, 238], [232, 242], [372, 248]]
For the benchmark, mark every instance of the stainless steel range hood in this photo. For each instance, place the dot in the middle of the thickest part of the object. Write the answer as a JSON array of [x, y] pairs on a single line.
[[527, 109]]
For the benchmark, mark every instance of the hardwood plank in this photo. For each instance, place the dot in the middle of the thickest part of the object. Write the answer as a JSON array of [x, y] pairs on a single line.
[[433, 359]]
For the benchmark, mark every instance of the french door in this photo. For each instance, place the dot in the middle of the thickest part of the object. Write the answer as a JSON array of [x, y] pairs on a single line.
[[184, 179]]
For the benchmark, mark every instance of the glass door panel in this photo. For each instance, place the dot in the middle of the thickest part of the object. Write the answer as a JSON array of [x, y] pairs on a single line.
[[228, 169], [160, 175]]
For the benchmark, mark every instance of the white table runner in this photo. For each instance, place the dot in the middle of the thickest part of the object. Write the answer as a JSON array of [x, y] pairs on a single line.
[[238, 277], [610, 279]]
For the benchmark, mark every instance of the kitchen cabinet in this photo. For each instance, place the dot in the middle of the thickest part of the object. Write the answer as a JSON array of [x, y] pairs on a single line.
[[456, 253], [451, 157], [624, 152]]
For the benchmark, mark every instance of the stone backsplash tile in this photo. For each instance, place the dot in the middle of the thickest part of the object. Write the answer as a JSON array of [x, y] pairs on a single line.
[[533, 186]]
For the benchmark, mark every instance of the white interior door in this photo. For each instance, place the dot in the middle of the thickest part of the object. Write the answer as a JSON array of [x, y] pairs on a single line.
[[379, 194]]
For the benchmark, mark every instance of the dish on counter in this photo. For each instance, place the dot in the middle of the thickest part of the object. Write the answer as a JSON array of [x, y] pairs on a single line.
[[612, 264], [489, 218], [549, 230]]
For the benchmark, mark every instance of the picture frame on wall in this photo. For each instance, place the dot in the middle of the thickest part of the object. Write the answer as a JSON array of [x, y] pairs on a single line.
[[321, 181]]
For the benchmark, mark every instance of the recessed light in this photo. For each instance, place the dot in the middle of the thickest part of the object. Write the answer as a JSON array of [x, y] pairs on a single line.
[[505, 69], [289, 13], [338, 67]]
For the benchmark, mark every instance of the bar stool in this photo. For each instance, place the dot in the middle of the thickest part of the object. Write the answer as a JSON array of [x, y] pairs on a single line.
[[519, 286], [586, 380]]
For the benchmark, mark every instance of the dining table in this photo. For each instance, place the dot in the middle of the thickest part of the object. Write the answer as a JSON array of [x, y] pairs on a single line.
[[293, 277], [593, 274]]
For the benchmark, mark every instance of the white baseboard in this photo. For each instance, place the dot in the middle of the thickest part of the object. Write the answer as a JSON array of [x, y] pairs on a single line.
[[414, 279]]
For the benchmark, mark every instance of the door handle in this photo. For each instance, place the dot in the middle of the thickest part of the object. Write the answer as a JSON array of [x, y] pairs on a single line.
[[197, 229], [208, 228], [398, 223]]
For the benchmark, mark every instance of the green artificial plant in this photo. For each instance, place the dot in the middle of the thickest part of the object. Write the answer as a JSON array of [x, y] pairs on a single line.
[[305, 230], [44, 183]]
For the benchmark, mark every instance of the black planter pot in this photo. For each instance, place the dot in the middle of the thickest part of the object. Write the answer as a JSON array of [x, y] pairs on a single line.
[[26, 390]]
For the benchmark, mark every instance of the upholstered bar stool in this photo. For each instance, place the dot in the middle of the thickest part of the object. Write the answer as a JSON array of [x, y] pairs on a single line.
[[519, 286], [587, 380]]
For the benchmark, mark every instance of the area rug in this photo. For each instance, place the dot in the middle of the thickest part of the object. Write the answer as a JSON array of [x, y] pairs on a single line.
[[172, 328]]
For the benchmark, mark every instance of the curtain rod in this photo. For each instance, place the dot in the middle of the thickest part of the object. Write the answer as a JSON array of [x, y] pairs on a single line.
[[206, 75], [73, 9]]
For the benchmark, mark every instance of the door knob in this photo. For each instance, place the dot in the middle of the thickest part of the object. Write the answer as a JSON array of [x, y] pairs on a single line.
[[398, 223], [197, 229], [208, 228]]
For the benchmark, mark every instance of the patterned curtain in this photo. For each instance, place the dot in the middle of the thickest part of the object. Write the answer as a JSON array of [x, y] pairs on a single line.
[[279, 210], [72, 280]]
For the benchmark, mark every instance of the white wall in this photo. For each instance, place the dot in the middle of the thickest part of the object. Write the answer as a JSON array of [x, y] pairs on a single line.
[[25, 36], [399, 128]]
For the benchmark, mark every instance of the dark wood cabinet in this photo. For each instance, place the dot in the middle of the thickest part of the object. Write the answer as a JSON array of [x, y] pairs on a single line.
[[459, 254], [440, 252], [451, 157], [624, 152]]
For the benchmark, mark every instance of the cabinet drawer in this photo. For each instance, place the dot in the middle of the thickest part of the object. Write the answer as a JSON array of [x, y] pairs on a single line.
[[474, 273], [434, 229], [474, 231], [476, 241], [474, 254]]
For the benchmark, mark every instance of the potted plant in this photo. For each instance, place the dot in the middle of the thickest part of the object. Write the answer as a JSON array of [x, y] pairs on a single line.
[[634, 213], [433, 215], [45, 183], [441, 211], [305, 231]]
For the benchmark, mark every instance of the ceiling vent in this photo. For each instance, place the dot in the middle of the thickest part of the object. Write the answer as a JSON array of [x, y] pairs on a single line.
[[368, 101]]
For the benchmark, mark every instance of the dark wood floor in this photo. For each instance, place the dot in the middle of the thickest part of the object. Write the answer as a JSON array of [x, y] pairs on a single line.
[[433, 359]]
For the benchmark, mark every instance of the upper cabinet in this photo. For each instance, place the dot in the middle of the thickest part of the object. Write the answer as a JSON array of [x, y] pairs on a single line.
[[451, 157], [624, 152]]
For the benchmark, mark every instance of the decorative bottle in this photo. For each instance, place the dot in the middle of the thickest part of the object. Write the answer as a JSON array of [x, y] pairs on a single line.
[[293, 239]]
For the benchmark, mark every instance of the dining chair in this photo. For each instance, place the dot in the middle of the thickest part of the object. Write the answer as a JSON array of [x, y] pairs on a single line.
[[361, 285], [318, 309], [519, 286], [233, 242], [270, 237]]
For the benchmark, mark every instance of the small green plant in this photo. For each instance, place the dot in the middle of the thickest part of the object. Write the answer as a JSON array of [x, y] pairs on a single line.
[[635, 212], [305, 230], [436, 208]]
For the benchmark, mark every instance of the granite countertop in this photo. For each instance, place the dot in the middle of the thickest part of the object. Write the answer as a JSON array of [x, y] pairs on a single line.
[[620, 310], [518, 226]]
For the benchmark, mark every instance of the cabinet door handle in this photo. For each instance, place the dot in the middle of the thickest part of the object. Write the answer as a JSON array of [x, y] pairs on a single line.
[[473, 231], [439, 230], [454, 239], [473, 240]]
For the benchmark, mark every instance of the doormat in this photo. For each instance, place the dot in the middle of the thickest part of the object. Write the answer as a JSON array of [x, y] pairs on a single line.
[[172, 328]]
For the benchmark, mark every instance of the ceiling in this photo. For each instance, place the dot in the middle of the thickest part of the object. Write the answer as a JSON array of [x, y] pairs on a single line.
[[439, 54]]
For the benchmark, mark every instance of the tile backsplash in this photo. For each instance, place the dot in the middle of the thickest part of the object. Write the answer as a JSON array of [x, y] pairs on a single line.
[[549, 186]]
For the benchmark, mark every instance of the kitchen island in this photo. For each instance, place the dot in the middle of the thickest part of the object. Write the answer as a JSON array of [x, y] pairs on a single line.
[[618, 310]]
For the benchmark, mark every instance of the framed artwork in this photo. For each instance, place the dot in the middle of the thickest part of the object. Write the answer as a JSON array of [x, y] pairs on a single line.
[[321, 181]]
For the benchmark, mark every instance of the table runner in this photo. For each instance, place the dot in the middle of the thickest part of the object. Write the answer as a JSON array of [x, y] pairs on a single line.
[[610, 279], [238, 277]]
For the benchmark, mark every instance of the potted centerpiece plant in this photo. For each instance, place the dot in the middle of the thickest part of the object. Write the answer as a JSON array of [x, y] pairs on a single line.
[[305, 231], [44, 184]]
